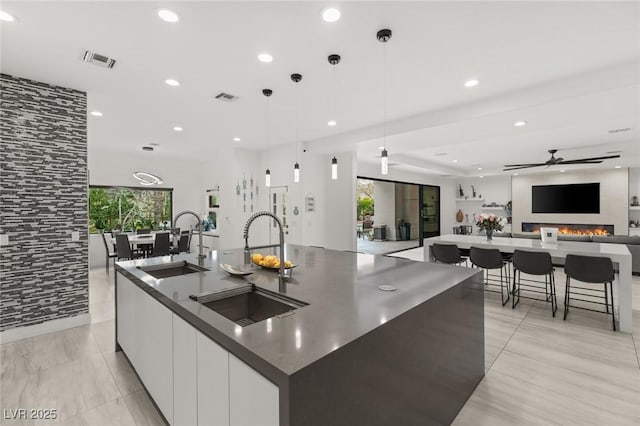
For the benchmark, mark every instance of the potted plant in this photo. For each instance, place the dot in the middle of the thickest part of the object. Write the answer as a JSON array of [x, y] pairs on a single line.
[[489, 223]]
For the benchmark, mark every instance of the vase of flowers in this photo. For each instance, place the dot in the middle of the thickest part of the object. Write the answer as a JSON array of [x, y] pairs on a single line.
[[489, 223]]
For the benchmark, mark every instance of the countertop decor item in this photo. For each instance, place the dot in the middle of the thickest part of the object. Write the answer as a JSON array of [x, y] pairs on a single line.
[[489, 223], [459, 216], [234, 270]]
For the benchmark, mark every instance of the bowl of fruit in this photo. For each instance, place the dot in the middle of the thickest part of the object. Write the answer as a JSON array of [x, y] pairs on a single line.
[[270, 261]]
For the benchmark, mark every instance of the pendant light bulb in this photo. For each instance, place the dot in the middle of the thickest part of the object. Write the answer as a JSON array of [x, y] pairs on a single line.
[[334, 168], [384, 162], [267, 178], [296, 173]]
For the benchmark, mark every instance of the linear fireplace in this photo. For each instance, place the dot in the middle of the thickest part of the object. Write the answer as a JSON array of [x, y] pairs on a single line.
[[569, 229]]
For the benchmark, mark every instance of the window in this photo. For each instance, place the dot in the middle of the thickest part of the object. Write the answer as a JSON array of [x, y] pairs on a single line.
[[127, 209]]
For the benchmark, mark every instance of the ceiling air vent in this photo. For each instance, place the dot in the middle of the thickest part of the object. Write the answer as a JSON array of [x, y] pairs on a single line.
[[227, 97], [98, 59]]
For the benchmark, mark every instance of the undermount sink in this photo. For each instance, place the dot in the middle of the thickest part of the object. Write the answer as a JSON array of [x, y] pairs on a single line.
[[249, 305], [173, 269]]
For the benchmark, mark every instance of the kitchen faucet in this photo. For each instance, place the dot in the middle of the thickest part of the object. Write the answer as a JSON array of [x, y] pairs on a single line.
[[247, 250], [201, 255]]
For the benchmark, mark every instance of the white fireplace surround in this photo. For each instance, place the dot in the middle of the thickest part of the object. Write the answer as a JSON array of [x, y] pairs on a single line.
[[614, 190]]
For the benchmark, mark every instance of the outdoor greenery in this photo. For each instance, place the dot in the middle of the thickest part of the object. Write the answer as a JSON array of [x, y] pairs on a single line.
[[364, 195], [365, 207], [128, 209]]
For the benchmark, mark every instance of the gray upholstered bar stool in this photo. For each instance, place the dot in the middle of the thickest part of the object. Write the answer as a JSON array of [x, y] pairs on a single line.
[[447, 253], [591, 270], [489, 259], [534, 263]]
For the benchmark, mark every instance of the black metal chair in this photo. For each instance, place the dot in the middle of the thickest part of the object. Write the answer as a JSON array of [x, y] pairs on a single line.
[[109, 254], [161, 246], [146, 249], [489, 259], [447, 253], [123, 248], [591, 270], [534, 263], [183, 245]]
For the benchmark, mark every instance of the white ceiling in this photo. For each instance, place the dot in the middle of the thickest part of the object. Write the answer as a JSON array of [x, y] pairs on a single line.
[[518, 50]]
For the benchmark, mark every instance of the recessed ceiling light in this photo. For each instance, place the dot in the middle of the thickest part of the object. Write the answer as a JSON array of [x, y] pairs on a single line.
[[172, 82], [618, 167], [168, 15], [236, 139], [331, 123], [96, 113], [562, 171], [381, 148], [6, 17], [178, 129], [479, 168], [515, 174], [471, 83], [331, 14], [454, 161], [481, 176], [265, 57], [519, 123]]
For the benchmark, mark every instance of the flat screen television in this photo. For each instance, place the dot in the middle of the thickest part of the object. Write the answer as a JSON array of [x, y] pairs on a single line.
[[573, 198]]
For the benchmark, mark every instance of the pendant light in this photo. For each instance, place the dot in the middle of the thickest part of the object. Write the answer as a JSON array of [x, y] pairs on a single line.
[[334, 60], [296, 167], [267, 174], [384, 36]]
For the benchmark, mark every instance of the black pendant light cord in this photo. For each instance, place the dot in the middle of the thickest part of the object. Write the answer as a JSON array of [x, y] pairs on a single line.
[[384, 95]]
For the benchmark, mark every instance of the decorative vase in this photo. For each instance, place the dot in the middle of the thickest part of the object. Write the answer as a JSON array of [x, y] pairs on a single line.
[[489, 234], [460, 191], [459, 216]]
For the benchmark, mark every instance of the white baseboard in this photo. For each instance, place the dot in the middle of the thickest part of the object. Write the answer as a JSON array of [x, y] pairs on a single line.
[[19, 333]]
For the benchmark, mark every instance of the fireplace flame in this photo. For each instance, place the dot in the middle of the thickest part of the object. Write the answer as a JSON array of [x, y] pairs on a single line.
[[567, 231]]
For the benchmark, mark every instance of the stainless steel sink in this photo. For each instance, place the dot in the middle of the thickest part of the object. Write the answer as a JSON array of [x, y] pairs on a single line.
[[248, 305], [173, 269]]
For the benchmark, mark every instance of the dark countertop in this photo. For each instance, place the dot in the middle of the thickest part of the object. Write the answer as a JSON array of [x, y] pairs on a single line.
[[341, 289]]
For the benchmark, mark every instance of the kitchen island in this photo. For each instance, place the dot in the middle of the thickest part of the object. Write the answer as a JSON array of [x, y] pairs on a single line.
[[348, 354]]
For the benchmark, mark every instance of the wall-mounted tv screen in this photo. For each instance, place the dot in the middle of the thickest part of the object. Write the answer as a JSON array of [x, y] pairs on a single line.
[[574, 198]]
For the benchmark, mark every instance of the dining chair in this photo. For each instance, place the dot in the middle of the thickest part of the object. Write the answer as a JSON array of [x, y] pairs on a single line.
[[161, 246], [144, 248], [537, 263], [589, 270], [109, 254], [123, 248], [183, 245], [447, 253], [489, 259]]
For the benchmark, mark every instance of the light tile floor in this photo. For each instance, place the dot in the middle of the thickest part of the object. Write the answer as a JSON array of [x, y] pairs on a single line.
[[383, 247], [539, 369]]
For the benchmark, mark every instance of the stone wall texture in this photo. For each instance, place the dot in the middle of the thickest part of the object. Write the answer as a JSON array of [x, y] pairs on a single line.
[[43, 199]]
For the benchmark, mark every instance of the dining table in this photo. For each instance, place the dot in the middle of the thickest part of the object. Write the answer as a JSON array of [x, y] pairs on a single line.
[[150, 238], [618, 253]]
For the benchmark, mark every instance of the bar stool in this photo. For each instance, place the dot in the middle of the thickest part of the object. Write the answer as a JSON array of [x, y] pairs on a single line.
[[447, 253], [534, 263], [592, 270], [488, 259]]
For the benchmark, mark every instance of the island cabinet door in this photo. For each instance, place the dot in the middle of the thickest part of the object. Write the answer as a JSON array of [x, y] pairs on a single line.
[[253, 400], [213, 383], [185, 402], [126, 301], [155, 354]]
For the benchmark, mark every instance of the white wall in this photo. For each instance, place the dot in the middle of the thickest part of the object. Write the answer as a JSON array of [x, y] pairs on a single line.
[[614, 192]]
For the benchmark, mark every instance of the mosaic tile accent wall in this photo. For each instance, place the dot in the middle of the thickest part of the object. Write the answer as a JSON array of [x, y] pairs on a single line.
[[43, 199]]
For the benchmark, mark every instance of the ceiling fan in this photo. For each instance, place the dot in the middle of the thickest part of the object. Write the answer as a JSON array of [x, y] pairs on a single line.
[[553, 161]]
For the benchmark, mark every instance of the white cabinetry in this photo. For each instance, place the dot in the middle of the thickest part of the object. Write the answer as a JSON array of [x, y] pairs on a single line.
[[185, 374], [253, 400], [145, 334], [193, 380], [213, 383]]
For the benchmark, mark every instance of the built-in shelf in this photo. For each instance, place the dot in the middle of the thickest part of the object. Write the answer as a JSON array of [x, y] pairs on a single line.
[[634, 207], [492, 208], [469, 199]]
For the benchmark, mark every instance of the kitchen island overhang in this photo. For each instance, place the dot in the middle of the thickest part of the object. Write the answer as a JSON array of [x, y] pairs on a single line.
[[355, 354]]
